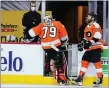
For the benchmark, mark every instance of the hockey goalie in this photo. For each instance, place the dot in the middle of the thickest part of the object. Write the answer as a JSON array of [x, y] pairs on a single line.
[[53, 35]]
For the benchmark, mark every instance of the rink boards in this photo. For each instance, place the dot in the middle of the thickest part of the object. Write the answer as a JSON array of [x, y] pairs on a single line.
[[24, 64]]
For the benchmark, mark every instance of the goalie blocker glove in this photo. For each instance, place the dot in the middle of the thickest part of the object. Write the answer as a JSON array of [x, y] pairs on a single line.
[[27, 36], [64, 44]]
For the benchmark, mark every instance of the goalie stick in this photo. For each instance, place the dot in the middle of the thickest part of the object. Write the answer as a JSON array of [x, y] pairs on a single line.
[[55, 48]]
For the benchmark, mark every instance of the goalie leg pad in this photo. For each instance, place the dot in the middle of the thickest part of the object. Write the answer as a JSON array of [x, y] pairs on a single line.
[[60, 67], [52, 65], [58, 60]]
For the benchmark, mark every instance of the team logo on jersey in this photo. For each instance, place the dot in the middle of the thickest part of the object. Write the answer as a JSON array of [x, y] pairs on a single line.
[[88, 34]]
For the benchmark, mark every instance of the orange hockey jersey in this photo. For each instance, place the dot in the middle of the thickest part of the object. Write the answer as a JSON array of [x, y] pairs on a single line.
[[50, 34], [94, 31]]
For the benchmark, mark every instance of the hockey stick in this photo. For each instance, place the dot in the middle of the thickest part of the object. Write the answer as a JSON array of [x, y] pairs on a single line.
[[55, 48]]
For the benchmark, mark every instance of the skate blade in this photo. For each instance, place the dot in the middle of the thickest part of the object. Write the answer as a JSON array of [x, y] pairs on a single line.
[[62, 84], [77, 83], [97, 85]]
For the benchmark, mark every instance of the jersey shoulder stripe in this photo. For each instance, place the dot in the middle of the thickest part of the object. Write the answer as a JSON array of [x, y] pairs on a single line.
[[96, 25]]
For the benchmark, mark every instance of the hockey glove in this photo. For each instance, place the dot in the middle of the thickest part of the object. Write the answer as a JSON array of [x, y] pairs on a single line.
[[27, 38], [87, 44], [64, 45], [80, 46]]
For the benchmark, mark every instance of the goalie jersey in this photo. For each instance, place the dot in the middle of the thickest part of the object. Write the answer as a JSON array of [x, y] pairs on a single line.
[[53, 34]]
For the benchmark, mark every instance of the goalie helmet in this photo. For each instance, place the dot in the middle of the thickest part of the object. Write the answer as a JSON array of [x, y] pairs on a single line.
[[48, 20]]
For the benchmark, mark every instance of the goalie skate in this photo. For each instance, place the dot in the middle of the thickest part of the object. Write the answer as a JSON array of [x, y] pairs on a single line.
[[62, 83]]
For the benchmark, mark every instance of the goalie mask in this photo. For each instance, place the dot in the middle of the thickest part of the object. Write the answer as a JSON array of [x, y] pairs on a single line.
[[48, 20]]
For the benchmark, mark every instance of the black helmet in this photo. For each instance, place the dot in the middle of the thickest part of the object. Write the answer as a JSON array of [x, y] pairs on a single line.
[[94, 16]]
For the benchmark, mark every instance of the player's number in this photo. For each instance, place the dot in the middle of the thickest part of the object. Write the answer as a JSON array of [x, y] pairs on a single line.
[[51, 31]]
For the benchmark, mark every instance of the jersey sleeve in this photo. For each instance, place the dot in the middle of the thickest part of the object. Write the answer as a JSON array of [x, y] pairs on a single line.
[[62, 32], [35, 31], [97, 33]]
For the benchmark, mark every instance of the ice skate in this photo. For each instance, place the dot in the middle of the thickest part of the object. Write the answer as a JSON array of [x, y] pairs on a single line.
[[98, 82], [77, 81], [62, 83]]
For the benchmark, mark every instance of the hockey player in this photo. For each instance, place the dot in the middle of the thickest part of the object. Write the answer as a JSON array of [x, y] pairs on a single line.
[[52, 33], [93, 44]]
